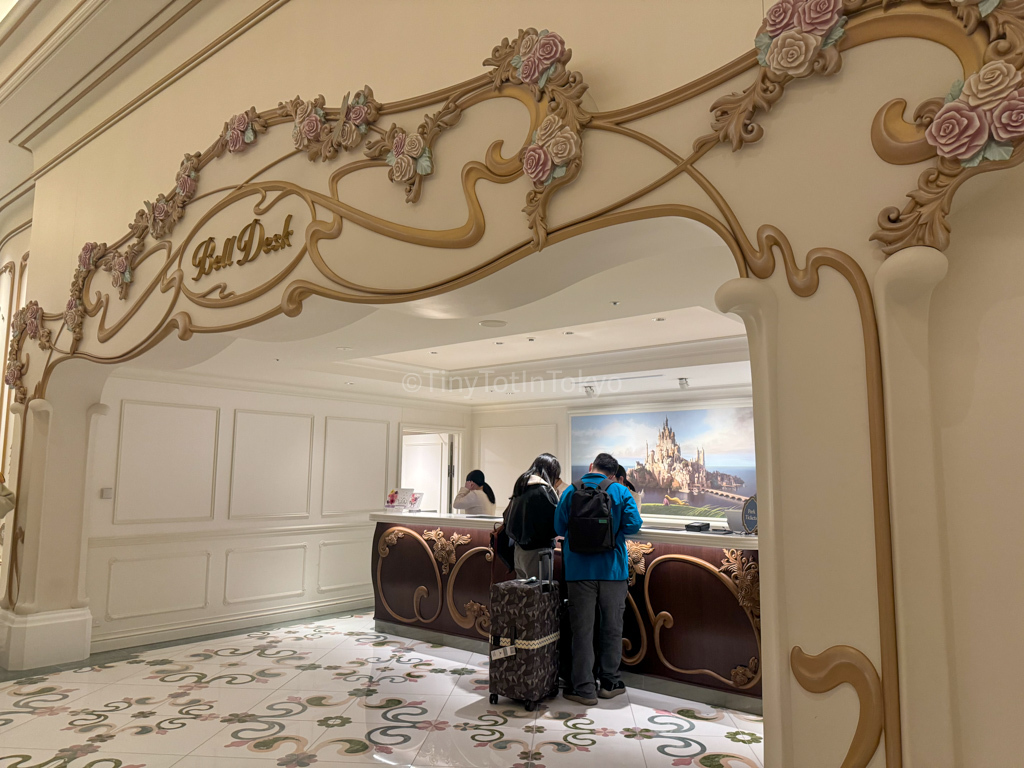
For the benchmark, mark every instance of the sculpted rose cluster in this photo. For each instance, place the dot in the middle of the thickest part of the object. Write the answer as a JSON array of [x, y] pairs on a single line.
[[240, 132], [538, 56], [981, 117], [795, 31], [554, 146], [409, 155]]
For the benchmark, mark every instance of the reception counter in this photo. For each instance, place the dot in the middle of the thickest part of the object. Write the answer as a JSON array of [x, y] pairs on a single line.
[[693, 613]]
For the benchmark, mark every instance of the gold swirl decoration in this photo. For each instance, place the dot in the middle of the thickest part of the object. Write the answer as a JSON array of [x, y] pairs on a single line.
[[389, 539], [637, 564], [477, 615], [830, 669], [741, 678]]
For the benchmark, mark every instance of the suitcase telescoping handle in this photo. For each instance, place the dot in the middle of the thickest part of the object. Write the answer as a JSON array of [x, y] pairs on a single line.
[[547, 556]]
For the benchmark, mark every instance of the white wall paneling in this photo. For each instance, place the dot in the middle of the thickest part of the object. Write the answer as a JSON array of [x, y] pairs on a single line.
[[264, 573], [166, 463], [271, 464], [506, 452], [345, 563], [356, 453], [154, 585]]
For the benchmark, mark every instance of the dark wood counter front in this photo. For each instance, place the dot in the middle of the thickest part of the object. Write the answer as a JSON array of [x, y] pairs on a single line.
[[693, 613]]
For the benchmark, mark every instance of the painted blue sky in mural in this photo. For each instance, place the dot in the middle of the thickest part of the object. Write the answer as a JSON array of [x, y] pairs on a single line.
[[725, 434]]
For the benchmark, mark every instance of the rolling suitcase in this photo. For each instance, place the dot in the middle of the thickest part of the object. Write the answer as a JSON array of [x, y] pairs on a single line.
[[525, 627]]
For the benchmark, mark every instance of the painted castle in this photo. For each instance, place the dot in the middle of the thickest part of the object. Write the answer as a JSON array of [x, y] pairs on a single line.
[[665, 468]]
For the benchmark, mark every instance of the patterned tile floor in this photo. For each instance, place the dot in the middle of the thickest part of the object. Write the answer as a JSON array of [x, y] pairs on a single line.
[[335, 691]]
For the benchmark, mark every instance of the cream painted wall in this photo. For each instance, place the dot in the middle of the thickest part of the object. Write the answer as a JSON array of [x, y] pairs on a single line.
[[231, 507], [977, 365]]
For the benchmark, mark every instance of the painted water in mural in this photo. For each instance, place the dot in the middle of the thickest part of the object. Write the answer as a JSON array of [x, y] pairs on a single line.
[[692, 462]]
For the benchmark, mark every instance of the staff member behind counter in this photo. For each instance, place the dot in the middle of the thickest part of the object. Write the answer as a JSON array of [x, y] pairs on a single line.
[[476, 497]]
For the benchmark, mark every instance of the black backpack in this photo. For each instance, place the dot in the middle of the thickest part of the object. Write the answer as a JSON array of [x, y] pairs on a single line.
[[590, 520]]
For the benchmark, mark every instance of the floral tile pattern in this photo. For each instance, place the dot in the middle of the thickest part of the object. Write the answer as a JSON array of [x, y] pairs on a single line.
[[335, 691]]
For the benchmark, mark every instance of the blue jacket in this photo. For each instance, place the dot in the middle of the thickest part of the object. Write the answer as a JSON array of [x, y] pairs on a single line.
[[607, 566]]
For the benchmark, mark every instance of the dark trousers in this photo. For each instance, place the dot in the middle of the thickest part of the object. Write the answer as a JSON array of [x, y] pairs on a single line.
[[596, 613]]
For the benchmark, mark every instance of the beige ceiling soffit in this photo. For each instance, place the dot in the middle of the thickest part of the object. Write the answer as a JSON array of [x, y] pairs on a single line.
[[729, 349], [635, 402], [244, 385], [163, 83], [49, 45], [110, 71], [11, 23]]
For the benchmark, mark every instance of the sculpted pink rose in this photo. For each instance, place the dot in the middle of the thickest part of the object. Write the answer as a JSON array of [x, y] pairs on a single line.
[[160, 211], [404, 168], [414, 145], [527, 45], [530, 70], [357, 114], [350, 135], [958, 131], [549, 50], [121, 264], [547, 129], [398, 145], [85, 257], [236, 141], [537, 164], [792, 53], [1008, 118], [781, 16], [311, 127], [71, 304], [240, 122], [12, 376], [187, 185], [990, 84], [817, 17]]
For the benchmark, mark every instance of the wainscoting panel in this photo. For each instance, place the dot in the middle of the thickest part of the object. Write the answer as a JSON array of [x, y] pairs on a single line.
[[264, 573], [345, 563], [271, 463], [507, 452], [150, 586], [167, 463], [354, 448]]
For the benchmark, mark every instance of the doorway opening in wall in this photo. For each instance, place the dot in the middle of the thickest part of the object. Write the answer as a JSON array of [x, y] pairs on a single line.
[[608, 342], [429, 464]]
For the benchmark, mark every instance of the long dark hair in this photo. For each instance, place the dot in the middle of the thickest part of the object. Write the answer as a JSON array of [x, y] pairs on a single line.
[[545, 466], [476, 476]]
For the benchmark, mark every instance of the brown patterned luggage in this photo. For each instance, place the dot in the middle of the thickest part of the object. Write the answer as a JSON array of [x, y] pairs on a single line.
[[525, 623]]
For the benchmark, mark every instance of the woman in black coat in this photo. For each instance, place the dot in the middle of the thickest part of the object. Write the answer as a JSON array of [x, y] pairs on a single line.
[[531, 515]]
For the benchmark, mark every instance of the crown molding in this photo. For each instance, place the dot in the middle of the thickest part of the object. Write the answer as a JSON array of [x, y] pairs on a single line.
[[291, 390], [634, 403]]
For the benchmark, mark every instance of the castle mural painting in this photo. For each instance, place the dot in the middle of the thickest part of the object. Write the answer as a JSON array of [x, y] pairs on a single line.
[[697, 463]]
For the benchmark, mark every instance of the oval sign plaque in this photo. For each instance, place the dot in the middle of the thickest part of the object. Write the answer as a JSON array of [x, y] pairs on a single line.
[[750, 514]]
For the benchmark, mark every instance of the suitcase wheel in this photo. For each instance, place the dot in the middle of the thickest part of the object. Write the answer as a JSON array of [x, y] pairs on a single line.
[[494, 698], [530, 705]]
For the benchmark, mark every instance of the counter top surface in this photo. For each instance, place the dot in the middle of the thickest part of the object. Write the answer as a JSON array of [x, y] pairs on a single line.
[[657, 531]]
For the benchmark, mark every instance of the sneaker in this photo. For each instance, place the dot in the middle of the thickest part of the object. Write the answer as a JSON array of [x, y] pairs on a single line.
[[579, 699], [611, 691]]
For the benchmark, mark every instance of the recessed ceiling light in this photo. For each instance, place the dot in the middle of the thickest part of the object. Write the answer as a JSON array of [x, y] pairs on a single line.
[[493, 323], [531, 339], [350, 383], [277, 359], [498, 343], [616, 303], [433, 353], [344, 349], [567, 333], [659, 319]]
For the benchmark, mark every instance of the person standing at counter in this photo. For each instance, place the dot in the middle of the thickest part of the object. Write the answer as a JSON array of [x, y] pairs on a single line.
[[596, 568], [621, 477], [531, 515], [476, 497]]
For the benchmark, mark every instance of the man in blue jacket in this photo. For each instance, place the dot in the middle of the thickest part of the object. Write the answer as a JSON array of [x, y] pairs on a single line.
[[597, 590]]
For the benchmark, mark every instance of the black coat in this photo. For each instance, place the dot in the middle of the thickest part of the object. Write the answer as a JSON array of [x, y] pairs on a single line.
[[531, 517]]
